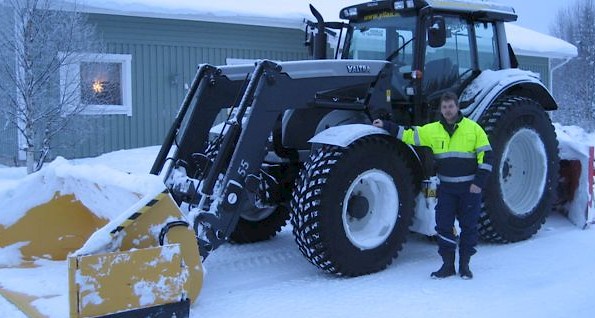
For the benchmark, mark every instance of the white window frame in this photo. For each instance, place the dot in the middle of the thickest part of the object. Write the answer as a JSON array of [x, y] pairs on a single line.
[[70, 73]]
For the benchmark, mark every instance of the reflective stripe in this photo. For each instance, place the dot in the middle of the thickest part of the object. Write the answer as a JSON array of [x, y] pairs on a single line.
[[456, 179], [485, 166], [446, 239], [400, 132], [484, 148], [454, 154], [416, 137]]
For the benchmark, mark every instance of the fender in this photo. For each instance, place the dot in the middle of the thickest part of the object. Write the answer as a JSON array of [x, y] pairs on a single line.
[[344, 135], [490, 85]]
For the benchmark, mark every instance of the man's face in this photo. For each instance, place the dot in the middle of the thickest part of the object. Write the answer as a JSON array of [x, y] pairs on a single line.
[[449, 110]]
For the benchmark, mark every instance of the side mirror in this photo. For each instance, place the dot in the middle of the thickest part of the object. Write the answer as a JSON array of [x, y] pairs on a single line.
[[437, 32]]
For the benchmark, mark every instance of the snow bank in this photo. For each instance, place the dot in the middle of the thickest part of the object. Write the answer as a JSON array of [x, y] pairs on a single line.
[[102, 190]]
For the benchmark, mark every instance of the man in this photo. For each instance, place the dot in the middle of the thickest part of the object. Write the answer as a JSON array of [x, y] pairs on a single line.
[[463, 156]]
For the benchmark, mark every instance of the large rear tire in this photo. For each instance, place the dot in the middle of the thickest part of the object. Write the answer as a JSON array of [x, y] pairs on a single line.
[[520, 191], [352, 207]]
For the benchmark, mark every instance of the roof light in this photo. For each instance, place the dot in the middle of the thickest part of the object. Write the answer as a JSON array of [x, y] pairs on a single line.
[[399, 5], [350, 12]]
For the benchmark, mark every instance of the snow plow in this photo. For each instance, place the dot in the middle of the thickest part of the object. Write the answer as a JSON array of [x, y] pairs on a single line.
[[139, 262], [298, 144]]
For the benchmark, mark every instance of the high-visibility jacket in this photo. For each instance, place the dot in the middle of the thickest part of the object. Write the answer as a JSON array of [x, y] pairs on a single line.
[[462, 151]]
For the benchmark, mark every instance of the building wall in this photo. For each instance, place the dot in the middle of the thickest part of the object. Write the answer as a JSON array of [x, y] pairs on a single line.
[[165, 55], [539, 65]]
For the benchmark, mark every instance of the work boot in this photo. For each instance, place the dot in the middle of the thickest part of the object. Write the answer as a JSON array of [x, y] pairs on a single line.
[[464, 270], [448, 267]]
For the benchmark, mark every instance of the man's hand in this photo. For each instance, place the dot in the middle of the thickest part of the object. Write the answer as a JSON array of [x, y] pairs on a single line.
[[378, 123], [474, 189]]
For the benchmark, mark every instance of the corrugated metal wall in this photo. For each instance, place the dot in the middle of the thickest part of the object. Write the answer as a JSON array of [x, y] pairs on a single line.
[[165, 54], [538, 65], [8, 133], [8, 142]]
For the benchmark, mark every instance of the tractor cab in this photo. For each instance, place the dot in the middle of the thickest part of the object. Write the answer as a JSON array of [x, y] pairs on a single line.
[[435, 46]]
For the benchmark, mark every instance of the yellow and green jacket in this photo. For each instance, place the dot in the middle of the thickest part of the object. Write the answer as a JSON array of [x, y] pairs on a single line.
[[462, 151]]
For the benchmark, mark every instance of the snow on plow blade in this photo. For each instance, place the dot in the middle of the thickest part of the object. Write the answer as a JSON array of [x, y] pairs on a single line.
[[158, 263], [144, 261], [51, 230]]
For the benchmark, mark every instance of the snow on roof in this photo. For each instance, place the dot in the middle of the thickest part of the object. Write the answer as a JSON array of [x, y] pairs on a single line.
[[290, 14], [528, 42]]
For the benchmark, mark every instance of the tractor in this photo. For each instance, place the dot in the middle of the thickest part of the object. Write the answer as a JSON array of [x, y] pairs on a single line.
[[297, 141]]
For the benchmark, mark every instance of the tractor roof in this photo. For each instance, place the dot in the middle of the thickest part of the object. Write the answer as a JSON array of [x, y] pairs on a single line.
[[477, 10]]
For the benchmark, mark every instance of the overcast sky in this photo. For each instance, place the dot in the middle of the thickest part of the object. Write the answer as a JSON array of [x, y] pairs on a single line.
[[537, 14]]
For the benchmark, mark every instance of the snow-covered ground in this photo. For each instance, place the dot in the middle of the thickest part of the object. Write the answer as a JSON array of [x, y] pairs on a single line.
[[549, 275]]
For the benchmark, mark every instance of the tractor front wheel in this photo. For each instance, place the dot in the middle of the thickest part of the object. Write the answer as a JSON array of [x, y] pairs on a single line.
[[352, 207]]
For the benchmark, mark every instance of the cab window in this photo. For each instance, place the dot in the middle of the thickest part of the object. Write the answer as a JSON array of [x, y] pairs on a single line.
[[487, 46], [444, 65]]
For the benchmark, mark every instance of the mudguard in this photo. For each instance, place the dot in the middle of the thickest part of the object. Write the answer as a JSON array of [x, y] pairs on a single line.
[[344, 135], [490, 85]]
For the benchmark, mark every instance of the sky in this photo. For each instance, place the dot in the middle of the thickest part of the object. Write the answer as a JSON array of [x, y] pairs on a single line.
[[537, 15]]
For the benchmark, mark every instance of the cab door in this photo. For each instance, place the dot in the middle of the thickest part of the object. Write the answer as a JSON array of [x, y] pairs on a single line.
[[446, 67]]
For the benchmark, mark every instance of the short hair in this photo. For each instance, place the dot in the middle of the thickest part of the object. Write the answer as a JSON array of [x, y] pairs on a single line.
[[448, 96]]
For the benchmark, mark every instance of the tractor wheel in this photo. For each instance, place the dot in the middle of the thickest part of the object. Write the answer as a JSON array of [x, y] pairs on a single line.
[[521, 188], [258, 223], [352, 207]]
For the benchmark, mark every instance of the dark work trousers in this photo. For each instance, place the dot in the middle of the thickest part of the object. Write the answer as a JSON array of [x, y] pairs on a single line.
[[455, 200]]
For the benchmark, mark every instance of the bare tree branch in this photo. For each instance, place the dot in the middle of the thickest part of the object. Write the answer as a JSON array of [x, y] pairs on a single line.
[[38, 42]]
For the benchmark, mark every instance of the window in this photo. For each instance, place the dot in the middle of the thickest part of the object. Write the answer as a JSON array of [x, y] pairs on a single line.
[[445, 65], [99, 84], [487, 46]]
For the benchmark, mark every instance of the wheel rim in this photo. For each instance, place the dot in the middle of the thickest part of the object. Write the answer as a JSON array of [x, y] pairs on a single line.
[[256, 214], [523, 171], [371, 228]]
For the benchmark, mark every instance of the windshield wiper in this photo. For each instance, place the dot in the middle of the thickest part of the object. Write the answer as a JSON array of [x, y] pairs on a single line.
[[396, 52]]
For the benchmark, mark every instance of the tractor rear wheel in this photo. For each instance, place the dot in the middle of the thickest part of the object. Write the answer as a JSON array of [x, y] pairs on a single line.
[[352, 207], [520, 191]]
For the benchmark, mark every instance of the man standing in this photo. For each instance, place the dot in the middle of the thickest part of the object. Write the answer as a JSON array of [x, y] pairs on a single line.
[[463, 157]]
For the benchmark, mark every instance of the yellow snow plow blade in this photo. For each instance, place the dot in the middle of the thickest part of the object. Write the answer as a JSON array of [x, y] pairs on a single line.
[[52, 230], [157, 264], [144, 261]]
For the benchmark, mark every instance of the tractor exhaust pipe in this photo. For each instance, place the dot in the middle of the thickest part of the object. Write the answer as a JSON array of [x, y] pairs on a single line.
[[320, 39]]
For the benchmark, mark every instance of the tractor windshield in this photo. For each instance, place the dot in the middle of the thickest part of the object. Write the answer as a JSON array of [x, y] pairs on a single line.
[[386, 38], [389, 38]]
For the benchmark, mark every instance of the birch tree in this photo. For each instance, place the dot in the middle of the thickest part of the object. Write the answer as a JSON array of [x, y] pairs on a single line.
[[38, 40]]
